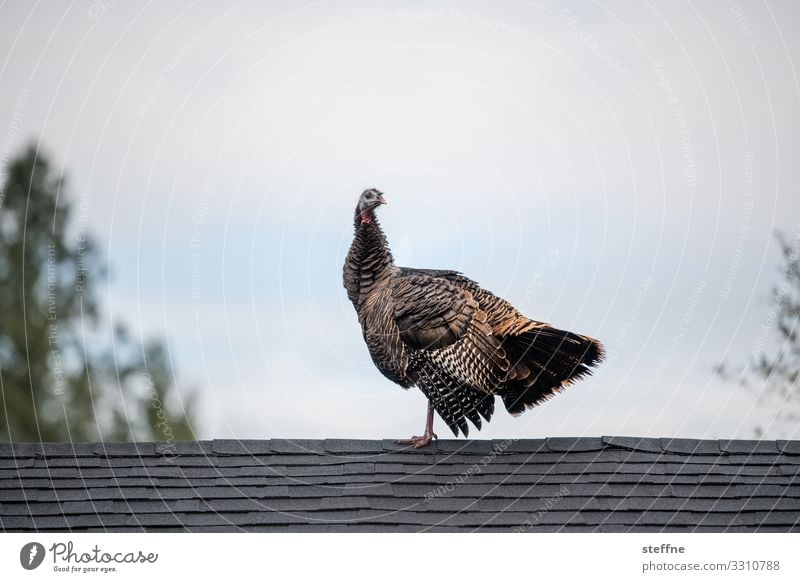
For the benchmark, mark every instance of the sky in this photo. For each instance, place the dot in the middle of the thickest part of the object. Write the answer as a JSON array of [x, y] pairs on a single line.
[[611, 168]]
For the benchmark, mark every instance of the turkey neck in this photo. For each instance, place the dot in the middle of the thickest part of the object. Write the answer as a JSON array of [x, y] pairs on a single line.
[[369, 261]]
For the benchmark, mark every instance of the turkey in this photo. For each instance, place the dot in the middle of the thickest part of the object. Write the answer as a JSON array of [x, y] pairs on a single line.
[[458, 343]]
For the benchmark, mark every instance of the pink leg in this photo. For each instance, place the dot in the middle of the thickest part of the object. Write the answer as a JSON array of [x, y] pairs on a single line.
[[424, 440]]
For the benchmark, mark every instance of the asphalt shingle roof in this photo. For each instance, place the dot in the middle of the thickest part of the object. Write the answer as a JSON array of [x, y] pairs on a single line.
[[557, 484]]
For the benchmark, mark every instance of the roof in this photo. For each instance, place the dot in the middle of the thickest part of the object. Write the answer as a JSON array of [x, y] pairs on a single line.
[[556, 484]]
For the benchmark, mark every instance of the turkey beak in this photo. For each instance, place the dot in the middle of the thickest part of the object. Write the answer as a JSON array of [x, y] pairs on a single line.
[[381, 199]]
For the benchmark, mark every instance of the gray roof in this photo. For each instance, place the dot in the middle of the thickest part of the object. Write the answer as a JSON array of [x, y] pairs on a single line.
[[557, 484]]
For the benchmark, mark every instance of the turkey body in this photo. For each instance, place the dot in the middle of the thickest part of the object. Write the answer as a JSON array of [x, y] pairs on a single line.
[[460, 344]]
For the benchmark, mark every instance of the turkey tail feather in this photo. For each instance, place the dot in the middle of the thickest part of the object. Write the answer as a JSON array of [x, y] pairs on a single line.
[[544, 361]]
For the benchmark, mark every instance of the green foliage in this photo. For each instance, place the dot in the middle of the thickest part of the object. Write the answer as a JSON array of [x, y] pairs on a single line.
[[56, 384], [773, 372]]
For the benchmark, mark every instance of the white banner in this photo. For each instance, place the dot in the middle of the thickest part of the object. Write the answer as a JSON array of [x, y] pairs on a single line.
[[406, 557]]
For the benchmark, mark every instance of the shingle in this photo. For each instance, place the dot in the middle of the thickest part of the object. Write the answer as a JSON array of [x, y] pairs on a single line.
[[67, 449], [789, 447], [170, 461], [518, 491], [350, 528], [626, 490], [277, 517], [62, 473], [601, 471], [604, 468], [156, 520], [753, 460], [683, 504], [298, 446], [784, 459], [634, 443], [406, 458], [261, 492], [290, 471], [694, 519], [151, 493], [465, 447], [353, 446], [184, 448], [296, 472], [509, 519], [697, 469], [358, 502], [538, 528], [17, 495], [573, 445], [393, 446], [96, 482], [737, 491], [16, 522], [389, 503], [249, 504], [16, 463], [622, 529], [690, 446], [530, 520], [55, 462], [751, 447], [83, 507], [420, 518], [160, 506], [348, 516], [238, 447], [765, 518], [358, 469], [22, 449], [125, 449], [462, 461], [192, 520], [53, 508], [508, 446], [246, 504], [334, 491], [124, 463], [310, 460], [550, 458], [420, 469], [97, 521], [433, 480], [493, 505]]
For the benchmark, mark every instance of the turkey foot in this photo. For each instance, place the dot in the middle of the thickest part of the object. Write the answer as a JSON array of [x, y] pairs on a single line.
[[419, 441], [425, 439]]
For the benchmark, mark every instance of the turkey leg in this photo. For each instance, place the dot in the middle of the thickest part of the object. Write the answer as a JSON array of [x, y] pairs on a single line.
[[424, 440]]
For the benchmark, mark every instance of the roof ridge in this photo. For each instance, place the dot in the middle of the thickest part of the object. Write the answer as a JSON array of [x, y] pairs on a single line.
[[334, 446]]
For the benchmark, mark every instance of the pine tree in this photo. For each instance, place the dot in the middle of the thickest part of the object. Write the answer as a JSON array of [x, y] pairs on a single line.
[[56, 384]]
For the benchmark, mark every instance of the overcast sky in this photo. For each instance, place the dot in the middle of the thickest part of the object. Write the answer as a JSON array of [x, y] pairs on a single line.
[[615, 169]]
